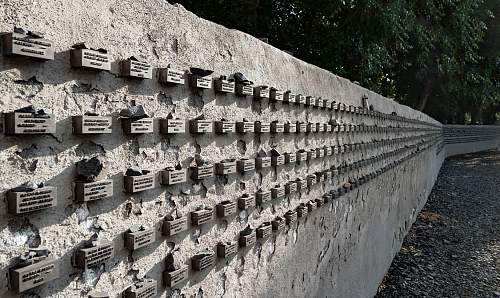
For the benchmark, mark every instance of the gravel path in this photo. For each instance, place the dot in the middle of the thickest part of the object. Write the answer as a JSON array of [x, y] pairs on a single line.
[[453, 249]]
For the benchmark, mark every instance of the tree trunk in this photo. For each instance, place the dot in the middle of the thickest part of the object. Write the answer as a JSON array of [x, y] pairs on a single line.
[[424, 96]]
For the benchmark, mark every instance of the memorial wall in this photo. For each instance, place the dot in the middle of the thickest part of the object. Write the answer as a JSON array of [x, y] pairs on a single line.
[[147, 152]]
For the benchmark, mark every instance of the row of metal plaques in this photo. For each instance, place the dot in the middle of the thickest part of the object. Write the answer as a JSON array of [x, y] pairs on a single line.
[[21, 202], [27, 277], [17, 123]]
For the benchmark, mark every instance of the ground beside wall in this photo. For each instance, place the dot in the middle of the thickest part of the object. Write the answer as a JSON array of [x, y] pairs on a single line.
[[340, 250]]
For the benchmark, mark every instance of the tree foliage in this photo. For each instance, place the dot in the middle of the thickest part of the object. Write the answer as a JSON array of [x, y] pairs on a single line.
[[439, 56]]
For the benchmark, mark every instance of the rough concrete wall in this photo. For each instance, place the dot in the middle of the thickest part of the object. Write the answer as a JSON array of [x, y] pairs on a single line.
[[340, 251], [461, 139]]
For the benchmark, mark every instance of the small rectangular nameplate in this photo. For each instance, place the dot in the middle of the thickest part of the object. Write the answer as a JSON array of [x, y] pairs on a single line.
[[202, 172], [93, 256], [277, 192], [260, 92], [90, 59], [200, 217], [278, 225], [140, 126], [244, 90], [264, 231], [302, 127], [143, 289], [277, 127], [135, 184], [23, 45], [276, 95], [291, 217], [289, 97], [38, 199], [175, 226], [202, 262], [200, 82], [244, 127], [171, 76], [224, 86], [247, 240], [301, 211], [136, 69], [300, 99], [34, 275], [226, 208], [225, 250], [200, 126], [246, 202], [277, 160], [245, 165], [172, 126], [290, 127], [139, 239], [290, 157], [91, 191], [91, 124], [222, 127], [173, 278], [290, 187], [263, 162], [171, 177], [28, 123], [225, 167], [262, 127], [263, 197]]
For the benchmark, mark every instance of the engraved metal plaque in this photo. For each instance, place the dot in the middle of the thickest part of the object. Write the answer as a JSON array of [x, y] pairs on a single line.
[[290, 127], [277, 160], [245, 165], [278, 224], [202, 216], [261, 92], [27, 123], [310, 101], [171, 76], [262, 127], [199, 82], [289, 97], [173, 176], [313, 205], [290, 157], [277, 192], [263, 162], [290, 187], [172, 126], [244, 90], [224, 126], [172, 227], [224, 86], [227, 249], [290, 217], [277, 127], [135, 184], [90, 59], [264, 230], [91, 191], [300, 99], [246, 201], [301, 127], [302, 211], [137, 126], [203, 261], [226, 208], [247, 240], [136, 240], [91, 124], [225, 167], [263, 197], [34, 275], [38, 199], [144, 289], [175, 277], [202, 171], [200, 126], [276, 95], [136, 69], [244, 127], [20, 44], [93, 256]]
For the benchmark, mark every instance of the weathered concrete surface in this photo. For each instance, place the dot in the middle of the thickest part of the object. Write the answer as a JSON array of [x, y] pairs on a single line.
[[461, 139], [343, 251]]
